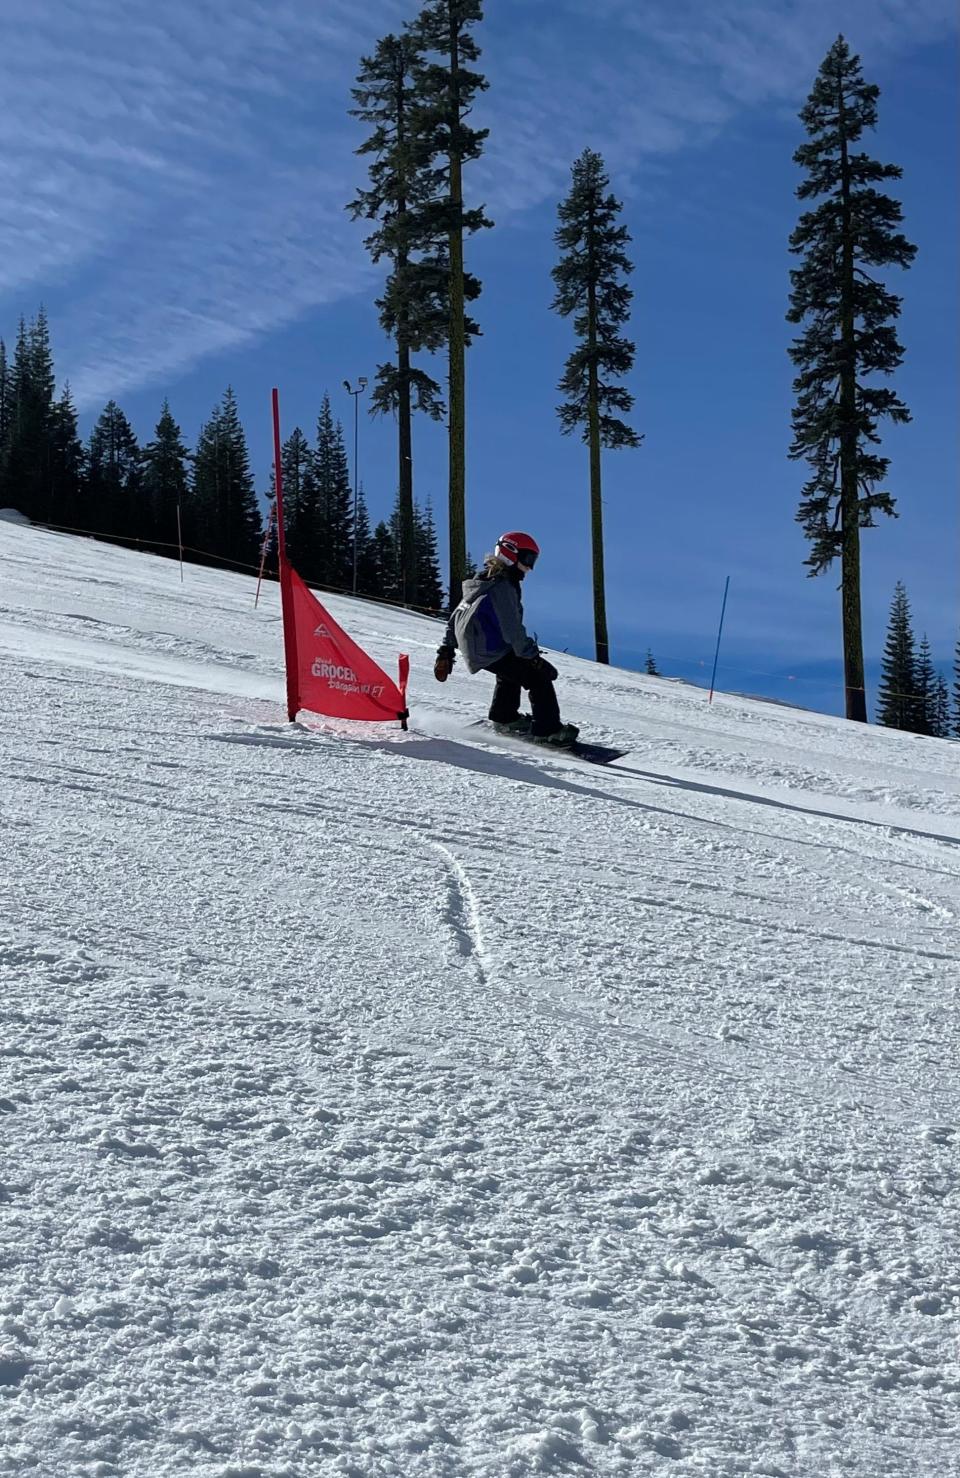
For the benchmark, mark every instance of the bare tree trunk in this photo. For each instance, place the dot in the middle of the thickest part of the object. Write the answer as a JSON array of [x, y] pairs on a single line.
[[853, 672], [457, 340], [408, 559], [596, 503]]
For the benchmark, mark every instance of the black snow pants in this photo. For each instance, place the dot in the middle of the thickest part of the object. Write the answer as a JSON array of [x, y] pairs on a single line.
[[514, 673]]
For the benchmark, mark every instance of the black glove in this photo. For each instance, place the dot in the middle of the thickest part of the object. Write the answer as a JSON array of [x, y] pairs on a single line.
[[543, 668], [443, 666]]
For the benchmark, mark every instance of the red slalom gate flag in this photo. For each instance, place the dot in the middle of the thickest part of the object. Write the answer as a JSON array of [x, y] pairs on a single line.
[[333, 675]]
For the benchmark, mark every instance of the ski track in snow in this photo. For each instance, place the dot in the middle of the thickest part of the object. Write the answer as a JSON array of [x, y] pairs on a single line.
[[416, 1105], [463, 915]]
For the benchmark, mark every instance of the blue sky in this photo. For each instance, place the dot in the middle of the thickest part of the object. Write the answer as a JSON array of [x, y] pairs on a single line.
[[174, 182]]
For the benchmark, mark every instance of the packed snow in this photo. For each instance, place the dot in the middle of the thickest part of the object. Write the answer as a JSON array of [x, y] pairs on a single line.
[[431, 1104]]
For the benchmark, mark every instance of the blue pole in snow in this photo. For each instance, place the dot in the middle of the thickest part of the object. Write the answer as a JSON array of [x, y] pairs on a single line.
[[719, 634]]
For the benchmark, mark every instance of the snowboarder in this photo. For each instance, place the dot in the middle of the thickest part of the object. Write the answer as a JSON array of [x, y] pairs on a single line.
[[487, 628]]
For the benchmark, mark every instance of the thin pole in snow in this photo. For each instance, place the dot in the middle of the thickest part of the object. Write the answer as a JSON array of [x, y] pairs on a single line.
[[263, 551], [286, 589], [719, 634], [180, 541]]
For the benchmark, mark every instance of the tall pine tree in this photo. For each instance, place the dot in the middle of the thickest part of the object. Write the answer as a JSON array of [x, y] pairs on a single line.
[[403, 183], [203, 516], [5, 401], [849, 335], [42, 389], [245, 524], [366, 563], [25, 453], [956, 690], [224, 503], [304, 542], [590, 285], [925, 700], [165, 480], [942, 708], [334, 504], [66, 464], [429, 591], [114, 483], [896, 708], [385, 563], [41, 458], [446, 89]]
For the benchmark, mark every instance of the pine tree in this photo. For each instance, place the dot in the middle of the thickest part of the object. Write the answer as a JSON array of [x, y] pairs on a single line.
[[12, 458], [942, 708], [25, 454], [385, 563], [590, 285], [956, 691], [446, 90], [334, 504], [113, 493], [5, 400], [849, 336], [165, 480], [42, 389], [203, 515], [67, 468], [650, 666], [925, 701], [366, 562], [245, 524], [224, 508], [412, 309], [429, 588], [896, 708], [300, 506], [41, 361], [41, 459]]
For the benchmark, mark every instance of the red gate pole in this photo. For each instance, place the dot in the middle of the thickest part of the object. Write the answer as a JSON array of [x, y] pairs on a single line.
[[286, 589]]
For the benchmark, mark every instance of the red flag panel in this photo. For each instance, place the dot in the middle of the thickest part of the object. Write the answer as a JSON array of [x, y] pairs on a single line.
[[334, 675]]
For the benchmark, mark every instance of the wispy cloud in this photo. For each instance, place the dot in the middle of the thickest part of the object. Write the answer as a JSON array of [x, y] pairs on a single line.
[[177, 174]]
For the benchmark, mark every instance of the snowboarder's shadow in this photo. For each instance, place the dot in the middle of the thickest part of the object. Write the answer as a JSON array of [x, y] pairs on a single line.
[[491, 762], [671, 782]]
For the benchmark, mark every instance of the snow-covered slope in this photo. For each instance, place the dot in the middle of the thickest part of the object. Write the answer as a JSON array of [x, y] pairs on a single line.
[[411, 1104]]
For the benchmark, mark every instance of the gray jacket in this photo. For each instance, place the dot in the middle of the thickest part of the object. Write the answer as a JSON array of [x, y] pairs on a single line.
[[488, 623]]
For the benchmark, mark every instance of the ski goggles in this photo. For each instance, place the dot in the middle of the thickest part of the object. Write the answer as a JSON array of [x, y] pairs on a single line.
[[527, 558]]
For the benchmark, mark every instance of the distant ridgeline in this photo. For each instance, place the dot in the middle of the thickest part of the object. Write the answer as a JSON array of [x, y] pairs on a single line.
[[116, 488]]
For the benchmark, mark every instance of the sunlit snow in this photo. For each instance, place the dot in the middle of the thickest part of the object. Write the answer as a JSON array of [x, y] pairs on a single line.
[[427, 1104]]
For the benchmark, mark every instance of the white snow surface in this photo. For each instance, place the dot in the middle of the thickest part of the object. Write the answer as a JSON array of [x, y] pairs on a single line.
[[429, 1104]]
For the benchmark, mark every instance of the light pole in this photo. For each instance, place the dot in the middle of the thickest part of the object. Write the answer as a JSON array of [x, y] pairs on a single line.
[[361, 386]]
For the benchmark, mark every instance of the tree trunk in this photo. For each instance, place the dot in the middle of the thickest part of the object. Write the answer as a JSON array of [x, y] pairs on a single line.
[[853, 674], [408, 563], [456, 345], [596, 504], [408, 569]]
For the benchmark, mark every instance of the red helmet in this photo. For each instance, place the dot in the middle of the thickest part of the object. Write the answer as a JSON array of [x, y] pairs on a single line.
[[519, 549]]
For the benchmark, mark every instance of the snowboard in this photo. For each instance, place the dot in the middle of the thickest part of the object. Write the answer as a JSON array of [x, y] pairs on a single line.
[[593, 754]]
